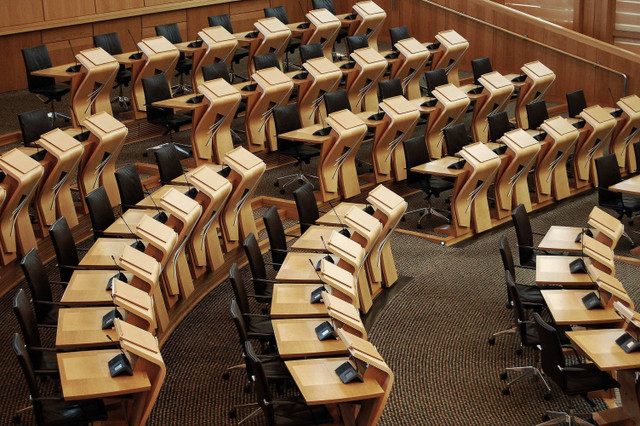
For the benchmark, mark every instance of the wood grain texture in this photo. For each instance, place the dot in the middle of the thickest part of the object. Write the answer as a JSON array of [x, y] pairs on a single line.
[[54, 9], [103, 6], [20, 12]]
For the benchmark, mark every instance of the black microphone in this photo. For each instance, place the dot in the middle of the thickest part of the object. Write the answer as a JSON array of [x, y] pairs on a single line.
[[344, 230], [119, 365], [76, 67], [137, 55], [161, 216], [192, 192], [303, 25], [138, 245], [328, 257], [585, 231], [109, 319], [316, 295], [578, 266], [615, 112], [119, 276]]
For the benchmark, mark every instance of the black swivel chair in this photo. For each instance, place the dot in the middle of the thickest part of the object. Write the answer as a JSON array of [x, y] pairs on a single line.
[[356, 42], [54, 410], [277, 236], [526, 248], [499, 124], [336, 101], [480, 67], [415, 153], [310, 51], [280, 12], [129, 186], [389, 89], [225, 21], [575, 380], [286, 119], [434, 79], [398, 33], [266, 60], [262, 286], [34, 124], [110, 42], [456, 138], [156, 88], [100, 211], [65, 248], [46, 309], [43, 360], [172, 33], [536, 114], [37, 58], [215, 71], [306, 206], [168, 162], [575, 103]]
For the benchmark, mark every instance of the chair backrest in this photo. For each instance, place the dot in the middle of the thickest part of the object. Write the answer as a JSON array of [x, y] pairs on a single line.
[[266, 60], [38, 282], [507, 256], [279, 12], [169, 31], [238, 320], [389, 88], [455, 138], [307, 206], [217, 70], [261, 384], [536, 114], [110, 42], [168, 162], [397, 34], [100, 211], [310, 51], [480, 67], [435, 79], [415, 153], [129, 186], [221, 21], [276, 235], [524, 233], [608, 174], [65, 248], [356, 42], [256, 264], [37, 58], [156, 88], [575, 102], [28, 325], [520, 315], [34, 124], [336, 101], [324, 4], [636, 152], [551, 356], [20, 349], [286, 119], [239, 289], [498, 125]]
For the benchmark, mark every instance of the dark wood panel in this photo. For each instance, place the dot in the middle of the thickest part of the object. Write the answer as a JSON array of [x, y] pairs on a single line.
[[56, 9], [197, 19], [13, 72], [122, 27], [103, 6], [20, 12]]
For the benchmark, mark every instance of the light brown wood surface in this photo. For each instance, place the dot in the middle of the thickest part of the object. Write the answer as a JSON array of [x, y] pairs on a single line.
[[297, 338]]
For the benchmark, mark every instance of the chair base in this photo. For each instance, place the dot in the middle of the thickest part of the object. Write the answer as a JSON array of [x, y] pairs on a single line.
[[181, 89], [123, 101], [560, 417], [301, 177], [527, 371], [427, 211], [492, 339]]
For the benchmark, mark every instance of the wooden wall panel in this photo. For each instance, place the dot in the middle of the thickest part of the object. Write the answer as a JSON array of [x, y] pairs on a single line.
[[13, 73], [56, 9], [293, 8], [157, 2], [244, 21], [149, 22], [198, 19], [103, 6], [20, 12], [121, 26]]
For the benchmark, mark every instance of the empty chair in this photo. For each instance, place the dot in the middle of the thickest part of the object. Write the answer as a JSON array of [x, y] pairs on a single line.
[[307, 207], [45, 308], [280, 12], [172, 33], [262, 286], [215, 71], [530, 295], [34, 124], [536, 114], [43, 360], [156, 88], [258, 326], [336, 101], [266, 60], [574, 380], [575, 103], [168, 161], [398, 33], [389, 89], [455, 138], [609, 174], [435, 79], [356, 42], [65, 248], [526, 249], [129, 186], [37, 58], [225, 21], [480, 67], [100, 211], [110, 42], [415, 152], [310, 51], [499, 124], [286, 119], [276, 235]]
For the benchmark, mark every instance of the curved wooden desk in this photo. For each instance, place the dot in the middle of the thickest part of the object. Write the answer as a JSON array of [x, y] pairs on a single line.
[[452, 48], [323, 77], [273, 37], [493, 99], [220, 47], [369, 20], [626, 133], [410, 65], [539, 80], [593, 138], [451, 106], [362, 82], [325, 27], [94, 91]]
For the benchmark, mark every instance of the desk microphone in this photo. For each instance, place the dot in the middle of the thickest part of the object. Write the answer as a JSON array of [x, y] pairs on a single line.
[[303, 25], [192, 192], [328, 257], [119, 365], [76, 67], [138, 54], [110, 317], [344, 230], [616, 112], [160, 216], [138, 245], [578, 266], [119, 276], [316, 295]]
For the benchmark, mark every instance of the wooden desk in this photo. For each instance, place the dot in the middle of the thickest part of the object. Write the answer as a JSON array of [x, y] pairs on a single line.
[[89, 288], [337, 214], [60, 72], [293, 301], [82, 328], [148, 201], [311, 240], [297, 338], [561, 238], [99, 255], [132, 218], [319, 383], [628, 186], [296, 268], [85, 375], [555, 270], [566, 308]]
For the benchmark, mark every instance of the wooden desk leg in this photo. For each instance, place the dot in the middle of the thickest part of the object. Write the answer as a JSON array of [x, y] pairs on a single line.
[[629, 388]]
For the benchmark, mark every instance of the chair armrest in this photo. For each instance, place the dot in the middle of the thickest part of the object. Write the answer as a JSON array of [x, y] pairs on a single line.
[[47, 371], [291, 235], [525, 267], [257, 316], [280, 250], [273, 264], [41, 349], [571, 369], [46, 302], [575, 351], [47, 398], [538, 233], [262, 280], [83, 249], [59, 282]]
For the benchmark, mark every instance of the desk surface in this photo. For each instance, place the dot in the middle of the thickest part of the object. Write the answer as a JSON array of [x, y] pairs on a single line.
[[296, 338], [297, 269], [132, 218], [311, 240], [82, 327], [156, 195], [99, 255], [600, 346], [293, 301], [331, 217], [439, 167], [561, 238], [628, 186], [89, 288], [567, 308], [85, 375], [306, 135], [180, 102], [57, 71], [555, 270], [319, 384]]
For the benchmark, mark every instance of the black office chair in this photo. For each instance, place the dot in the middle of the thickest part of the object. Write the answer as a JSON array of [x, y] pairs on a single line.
[[110, 42], [286, 119], [415, 153], [456, 138], [280, 12], [34, 124], [434, 79], [262, 286], [43, 360], [215, 71], [389, 89], [277, 236], [306, 206], [499, 124], [480, 67], [356, 42], [398, 33], [37, 58], [266, 60], [310, 51], [292, 411], [336, 101], [575, 103], [100, 211], [575, 380], [46, 309], [536, 114], [172, 33], [168, 162], [225, 21], [54, 410], [65, 248], [129, 186], [526, 247], [156, 88]]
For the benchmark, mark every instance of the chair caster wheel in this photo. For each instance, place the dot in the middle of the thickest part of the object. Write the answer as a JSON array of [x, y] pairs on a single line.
[[546, 418], [547, 397], [419, 226], [225, 376], [232, 414], [508, 305], [506, 391], [247, 389], [402, 219], [492, 341], [282, 191], [276, 184], [503, 375], [519, 352], [300, 181]]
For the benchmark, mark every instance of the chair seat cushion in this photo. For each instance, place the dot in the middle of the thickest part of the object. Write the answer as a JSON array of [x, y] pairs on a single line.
[[434, 186], [300, 414], [260, 326], [275, 369], [175, 121], [631, 204], [73, 412], [529, 294], [123, 77], [591, 379], [54, 91], [292, 46], [184, 66], [239, 54], [48, 361]]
